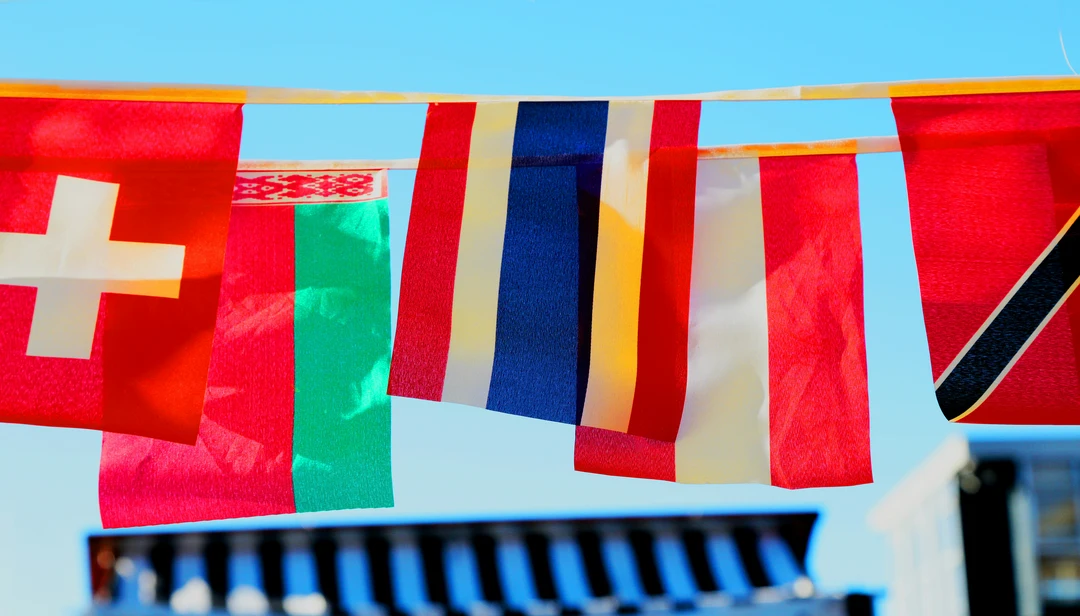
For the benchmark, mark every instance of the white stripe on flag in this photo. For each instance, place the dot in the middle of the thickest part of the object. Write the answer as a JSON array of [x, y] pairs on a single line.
[[617, 288], [480, 248], [724, 434]]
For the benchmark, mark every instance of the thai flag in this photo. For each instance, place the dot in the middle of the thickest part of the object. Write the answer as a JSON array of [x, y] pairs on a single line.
[[700, 321]]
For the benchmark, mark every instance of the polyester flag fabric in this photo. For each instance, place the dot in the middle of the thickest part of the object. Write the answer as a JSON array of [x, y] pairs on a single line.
[[297, 418], [113, 221], [773, 338], [540, 235], [994, 193]]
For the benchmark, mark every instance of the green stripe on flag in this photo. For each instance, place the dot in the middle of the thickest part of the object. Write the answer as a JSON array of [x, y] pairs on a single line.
[[341, 434]]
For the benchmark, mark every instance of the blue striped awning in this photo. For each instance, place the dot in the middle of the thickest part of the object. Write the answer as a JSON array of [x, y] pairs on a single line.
[[532, 568]]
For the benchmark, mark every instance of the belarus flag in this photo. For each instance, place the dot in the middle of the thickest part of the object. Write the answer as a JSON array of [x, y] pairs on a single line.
[[558, 265], [113, 218], [297, 417]]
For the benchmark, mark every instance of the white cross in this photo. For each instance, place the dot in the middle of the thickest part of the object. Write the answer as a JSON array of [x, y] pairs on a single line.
[[75, 262]]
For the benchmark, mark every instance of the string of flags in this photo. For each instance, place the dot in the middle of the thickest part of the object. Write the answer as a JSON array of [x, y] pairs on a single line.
[[696, 314]]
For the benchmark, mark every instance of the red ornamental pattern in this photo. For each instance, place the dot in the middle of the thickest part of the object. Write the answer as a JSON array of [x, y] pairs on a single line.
[[292, 187]]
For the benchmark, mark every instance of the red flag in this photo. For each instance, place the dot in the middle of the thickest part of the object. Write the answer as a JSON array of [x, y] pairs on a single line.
[[113, 219], [994, 191]]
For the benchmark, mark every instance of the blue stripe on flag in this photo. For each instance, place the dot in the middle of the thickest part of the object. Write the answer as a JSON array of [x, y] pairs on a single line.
[[542, 329]]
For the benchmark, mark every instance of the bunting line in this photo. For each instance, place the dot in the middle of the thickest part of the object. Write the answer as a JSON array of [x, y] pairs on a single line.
[[259, 95], [860, 145]]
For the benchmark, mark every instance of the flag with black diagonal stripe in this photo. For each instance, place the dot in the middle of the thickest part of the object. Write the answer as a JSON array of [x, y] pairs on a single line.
[[994, 194]]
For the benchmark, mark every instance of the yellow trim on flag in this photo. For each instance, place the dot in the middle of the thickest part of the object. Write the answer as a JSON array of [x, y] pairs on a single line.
[[860, 145], [258, 95]]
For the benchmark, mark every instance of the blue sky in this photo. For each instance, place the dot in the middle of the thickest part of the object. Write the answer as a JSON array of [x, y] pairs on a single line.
[[454, 461]]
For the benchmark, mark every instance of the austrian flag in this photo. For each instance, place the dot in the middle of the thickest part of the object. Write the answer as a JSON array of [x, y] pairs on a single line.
[[773, 350], [113, 219]]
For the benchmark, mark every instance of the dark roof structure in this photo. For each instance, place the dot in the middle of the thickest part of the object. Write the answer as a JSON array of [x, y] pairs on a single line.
[[738, 564]]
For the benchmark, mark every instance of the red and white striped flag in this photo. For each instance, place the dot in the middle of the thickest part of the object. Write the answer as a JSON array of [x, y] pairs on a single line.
[[776, 382]]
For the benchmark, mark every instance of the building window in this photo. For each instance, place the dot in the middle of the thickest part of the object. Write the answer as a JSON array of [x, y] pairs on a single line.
[[1057, 516], [1060, 578], [1056, 500]]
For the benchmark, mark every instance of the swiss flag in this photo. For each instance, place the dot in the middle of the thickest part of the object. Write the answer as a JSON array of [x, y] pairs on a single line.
[[113, 219]]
